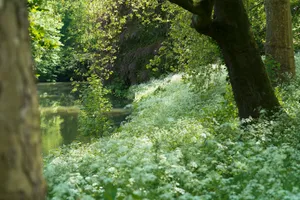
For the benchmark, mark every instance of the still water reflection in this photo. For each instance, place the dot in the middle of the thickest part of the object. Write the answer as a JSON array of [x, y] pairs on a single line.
[[59, 115]]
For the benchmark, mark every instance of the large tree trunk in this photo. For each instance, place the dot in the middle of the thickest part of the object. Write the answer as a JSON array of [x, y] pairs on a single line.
[[230, 27], [20, 152], [279, 37]]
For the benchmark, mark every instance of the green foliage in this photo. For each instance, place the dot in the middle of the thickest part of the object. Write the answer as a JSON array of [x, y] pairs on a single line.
[[110, 192], [45, 25], [96, 32], [272, 67], [95, 105], [185, 49], [295, 6], [81, 37], [185, 145], [74, 39], [257, 17], [140, 38]]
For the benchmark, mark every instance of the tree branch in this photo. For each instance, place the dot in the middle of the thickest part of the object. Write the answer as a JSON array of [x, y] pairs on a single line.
[[187, 5], [202, 10]]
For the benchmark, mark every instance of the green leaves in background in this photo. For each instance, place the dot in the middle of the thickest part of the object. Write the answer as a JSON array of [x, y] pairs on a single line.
[[45, 25]]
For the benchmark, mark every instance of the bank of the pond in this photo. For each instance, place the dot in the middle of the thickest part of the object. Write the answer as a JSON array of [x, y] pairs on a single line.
[[59, 125], [59, 115], [76, 110]]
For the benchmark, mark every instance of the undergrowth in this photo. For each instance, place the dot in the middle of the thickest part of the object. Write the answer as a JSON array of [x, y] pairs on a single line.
[[180, 144]]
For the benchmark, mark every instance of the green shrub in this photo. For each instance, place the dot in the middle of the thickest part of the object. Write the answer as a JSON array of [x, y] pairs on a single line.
[[95, 105]]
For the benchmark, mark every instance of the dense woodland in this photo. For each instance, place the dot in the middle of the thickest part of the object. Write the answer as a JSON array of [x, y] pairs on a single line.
[[213, 88]]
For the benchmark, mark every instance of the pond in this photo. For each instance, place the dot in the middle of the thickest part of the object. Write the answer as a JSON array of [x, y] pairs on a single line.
[[59, 114]]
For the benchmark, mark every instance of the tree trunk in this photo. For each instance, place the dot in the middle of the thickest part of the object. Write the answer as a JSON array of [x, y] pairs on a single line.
[[20, 152], [279, 38], [230, 28]]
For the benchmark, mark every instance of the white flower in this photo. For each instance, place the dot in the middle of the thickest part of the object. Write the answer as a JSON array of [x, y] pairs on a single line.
[[179, 190], [193, 164], [111, 169]]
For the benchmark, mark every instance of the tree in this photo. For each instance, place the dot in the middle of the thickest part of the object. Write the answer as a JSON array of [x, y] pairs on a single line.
[[230, 28], [20, 152], [279, 37]]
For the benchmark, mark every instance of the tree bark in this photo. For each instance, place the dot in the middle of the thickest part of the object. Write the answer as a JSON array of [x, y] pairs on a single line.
[[230, 28], [20, 152], [279, 37]]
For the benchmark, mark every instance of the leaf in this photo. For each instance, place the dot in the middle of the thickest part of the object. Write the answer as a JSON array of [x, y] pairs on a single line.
[[110, 192]]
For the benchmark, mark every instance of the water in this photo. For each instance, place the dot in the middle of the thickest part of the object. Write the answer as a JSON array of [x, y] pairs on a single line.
[[59, 115]]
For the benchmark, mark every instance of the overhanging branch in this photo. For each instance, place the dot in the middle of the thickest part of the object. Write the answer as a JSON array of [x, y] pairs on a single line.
[[202, 10], [186, 4]]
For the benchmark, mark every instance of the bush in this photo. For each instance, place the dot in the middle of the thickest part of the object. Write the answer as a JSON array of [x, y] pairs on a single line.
[[95, 105]]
